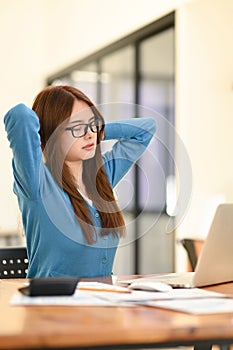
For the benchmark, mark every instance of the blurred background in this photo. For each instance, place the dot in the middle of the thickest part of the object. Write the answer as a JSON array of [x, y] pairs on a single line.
[[172, 60]]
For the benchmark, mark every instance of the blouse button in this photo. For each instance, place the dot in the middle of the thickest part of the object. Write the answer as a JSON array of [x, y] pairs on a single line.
[[104, 260], [96, 215]]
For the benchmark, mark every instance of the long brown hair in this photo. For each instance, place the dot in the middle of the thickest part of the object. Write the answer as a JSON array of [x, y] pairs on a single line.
[[53, 105]]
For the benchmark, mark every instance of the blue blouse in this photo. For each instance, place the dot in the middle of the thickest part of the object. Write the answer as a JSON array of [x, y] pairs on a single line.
[[55, 242]]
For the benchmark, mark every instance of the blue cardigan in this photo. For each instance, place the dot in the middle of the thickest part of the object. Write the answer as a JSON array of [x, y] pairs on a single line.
[[55, 242]]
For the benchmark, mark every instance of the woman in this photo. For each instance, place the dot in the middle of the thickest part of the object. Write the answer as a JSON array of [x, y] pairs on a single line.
[[64, 184]]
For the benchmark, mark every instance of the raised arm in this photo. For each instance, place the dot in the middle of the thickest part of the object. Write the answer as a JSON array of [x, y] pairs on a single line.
[[22, 127], [133, 136]]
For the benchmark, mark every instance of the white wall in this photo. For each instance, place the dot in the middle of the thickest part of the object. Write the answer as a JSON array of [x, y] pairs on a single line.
[[38, 37], [22, 70], [205, 106]]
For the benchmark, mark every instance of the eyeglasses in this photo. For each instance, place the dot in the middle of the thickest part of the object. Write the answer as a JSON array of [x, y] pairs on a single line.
[[80, 130]]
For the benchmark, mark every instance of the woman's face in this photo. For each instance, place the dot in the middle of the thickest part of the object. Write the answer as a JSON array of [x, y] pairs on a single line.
[[76, 149]]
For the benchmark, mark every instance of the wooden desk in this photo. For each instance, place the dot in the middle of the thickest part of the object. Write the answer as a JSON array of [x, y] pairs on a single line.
[[33, 327]]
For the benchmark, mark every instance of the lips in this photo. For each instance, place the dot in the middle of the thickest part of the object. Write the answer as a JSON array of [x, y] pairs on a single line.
[[88, 147]]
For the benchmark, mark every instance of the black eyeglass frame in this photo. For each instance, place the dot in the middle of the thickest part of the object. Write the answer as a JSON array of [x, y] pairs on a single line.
[[98, 125]]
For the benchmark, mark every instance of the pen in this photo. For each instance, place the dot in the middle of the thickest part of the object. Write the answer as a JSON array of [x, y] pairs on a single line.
[[94, 289]]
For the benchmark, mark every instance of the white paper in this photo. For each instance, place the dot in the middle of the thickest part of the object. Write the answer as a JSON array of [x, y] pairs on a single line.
[[174, 294], [101, 294], [196, 306]]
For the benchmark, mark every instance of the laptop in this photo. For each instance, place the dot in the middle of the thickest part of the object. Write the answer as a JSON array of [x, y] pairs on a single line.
[[215, 263]]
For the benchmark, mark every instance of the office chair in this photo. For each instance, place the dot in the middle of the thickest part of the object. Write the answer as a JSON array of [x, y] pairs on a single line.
[[13, 262], [189, 246]]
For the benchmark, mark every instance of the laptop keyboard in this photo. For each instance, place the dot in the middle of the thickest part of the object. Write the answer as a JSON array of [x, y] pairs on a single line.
[[176, 280]]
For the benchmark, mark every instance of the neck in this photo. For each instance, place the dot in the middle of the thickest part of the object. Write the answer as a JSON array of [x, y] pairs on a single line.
[[76, 169]]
